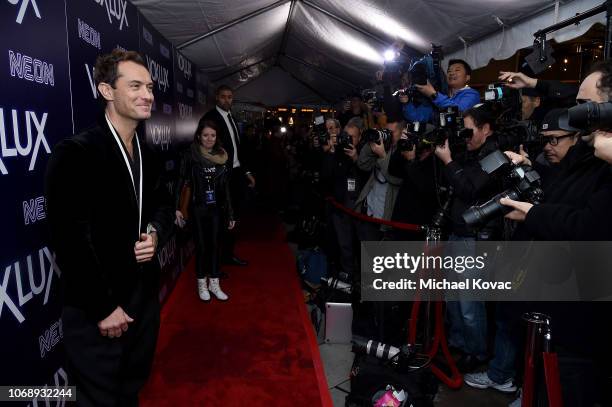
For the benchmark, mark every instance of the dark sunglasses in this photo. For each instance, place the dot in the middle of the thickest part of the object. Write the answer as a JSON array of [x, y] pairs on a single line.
[[553, 141]]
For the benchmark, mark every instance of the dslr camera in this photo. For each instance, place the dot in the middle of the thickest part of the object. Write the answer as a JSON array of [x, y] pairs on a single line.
[[451, 128], [523, 182], [376, 136]]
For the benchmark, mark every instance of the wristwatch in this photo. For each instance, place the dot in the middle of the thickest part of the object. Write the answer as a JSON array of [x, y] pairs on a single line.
[[434, 95]]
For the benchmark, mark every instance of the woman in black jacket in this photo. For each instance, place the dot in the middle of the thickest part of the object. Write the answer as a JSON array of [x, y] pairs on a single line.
[[204, 170]]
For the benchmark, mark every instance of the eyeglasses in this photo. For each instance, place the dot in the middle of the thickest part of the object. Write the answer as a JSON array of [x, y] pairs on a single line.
[[553, 141]]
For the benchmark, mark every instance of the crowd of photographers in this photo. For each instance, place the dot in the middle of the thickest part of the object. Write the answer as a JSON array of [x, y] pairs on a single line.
[[531, 162]]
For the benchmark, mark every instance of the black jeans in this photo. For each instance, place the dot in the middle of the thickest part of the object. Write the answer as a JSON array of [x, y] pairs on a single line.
[[207, 232]]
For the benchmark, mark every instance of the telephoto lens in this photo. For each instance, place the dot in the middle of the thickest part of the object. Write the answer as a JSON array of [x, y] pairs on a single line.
[[588, 116]]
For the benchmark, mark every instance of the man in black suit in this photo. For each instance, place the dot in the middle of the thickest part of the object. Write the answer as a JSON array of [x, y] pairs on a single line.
[[108, 214], [230, 138]]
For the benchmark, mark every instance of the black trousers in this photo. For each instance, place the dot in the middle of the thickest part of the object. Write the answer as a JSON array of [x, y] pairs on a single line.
[[238, 196], [109, 372], [208, 230], [346, 234]]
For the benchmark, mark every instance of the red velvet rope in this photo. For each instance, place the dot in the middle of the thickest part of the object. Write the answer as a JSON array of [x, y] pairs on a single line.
[[365, 218]]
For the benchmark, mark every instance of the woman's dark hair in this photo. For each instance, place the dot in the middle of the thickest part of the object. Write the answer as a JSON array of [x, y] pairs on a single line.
[[211, 124], [482, 114]]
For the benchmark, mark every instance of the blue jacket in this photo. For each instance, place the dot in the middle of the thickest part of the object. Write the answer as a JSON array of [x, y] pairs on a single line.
[[418, 113], [465, 99]]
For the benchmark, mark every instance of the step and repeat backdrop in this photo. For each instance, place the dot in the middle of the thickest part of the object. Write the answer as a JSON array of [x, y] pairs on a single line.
[[48, 50]]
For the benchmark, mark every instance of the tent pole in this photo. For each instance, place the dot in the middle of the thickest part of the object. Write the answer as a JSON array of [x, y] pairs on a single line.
[[231, 24], [283, 46], [608, 44]]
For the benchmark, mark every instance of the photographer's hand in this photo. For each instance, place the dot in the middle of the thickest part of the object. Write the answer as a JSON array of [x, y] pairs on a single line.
[[517, 159], [351, 152], [378, 149], [444, 153], [427, 90], [520, 209], [517, 80]]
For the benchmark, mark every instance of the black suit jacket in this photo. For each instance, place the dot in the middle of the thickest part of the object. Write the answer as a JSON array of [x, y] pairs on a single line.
[[226, 139], [93, 217]]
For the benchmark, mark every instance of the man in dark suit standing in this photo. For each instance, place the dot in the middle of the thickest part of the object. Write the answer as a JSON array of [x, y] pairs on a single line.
[[108, 214], [240, 174]]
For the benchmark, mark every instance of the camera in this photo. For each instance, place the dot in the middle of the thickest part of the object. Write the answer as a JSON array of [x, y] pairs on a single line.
[[382, 351], [524, 185], [376, 135], [588, 117], [344, 140], [451, 128], [415, 131]]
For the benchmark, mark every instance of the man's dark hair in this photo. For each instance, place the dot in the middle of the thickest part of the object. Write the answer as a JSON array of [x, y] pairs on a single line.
[[107, 66], [482, 114], [468, 68], [605, 83], [211, 124], [223, 88]]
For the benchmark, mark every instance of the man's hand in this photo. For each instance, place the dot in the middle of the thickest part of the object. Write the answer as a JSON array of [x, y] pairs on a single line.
[[520, 209], [115, 324], [427, 90], [351, 152], [145, 248], [444, 153], [603, 145], [517, 80], [231, 224], [517, 159], [179, 219], [251, 179], [378, 148]]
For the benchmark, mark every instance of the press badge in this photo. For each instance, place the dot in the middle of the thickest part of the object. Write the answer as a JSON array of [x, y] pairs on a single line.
[[210, 196], [350, 184]]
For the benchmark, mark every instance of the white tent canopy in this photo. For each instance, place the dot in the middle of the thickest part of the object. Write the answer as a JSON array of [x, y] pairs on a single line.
[[317, 51]]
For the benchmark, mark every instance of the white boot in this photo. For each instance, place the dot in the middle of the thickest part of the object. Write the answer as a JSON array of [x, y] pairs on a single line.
[[216, 289], [203, 289]]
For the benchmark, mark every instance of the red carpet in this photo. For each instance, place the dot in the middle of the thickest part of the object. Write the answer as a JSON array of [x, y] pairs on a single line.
[[257, 349]]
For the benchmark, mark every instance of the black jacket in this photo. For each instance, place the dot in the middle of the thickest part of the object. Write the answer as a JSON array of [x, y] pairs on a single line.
[[471, 185], [226, 140], [202, 174], [417, 201], [336, 169], [93, 218], [577, 204]]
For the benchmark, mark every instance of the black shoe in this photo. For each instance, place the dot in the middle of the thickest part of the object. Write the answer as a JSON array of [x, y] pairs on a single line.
[[235, 261]]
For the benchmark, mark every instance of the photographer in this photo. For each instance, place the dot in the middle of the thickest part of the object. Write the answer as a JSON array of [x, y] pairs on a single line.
[[501, 370], [377, 198], [355, 107], [577, 207], [344, 179], [460, 94], [407, 102], [416, 201], [471, 184]]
